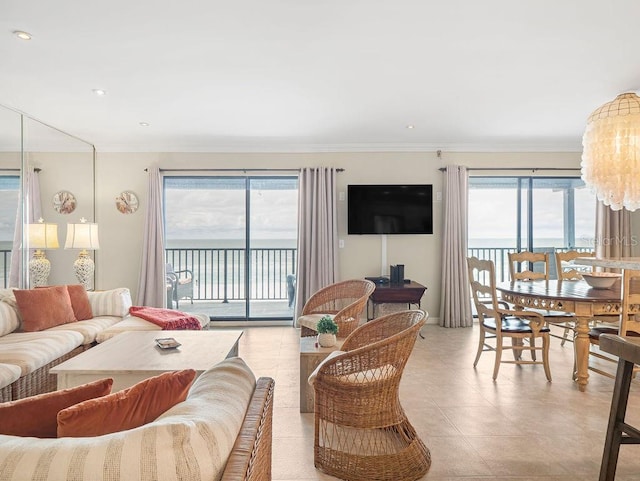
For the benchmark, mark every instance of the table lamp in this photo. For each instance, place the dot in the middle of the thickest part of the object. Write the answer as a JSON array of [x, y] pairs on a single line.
[[41, 236], [83, 236]]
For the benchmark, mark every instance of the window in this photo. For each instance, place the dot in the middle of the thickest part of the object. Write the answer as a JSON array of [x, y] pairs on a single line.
[[237, 238], [510, 214]]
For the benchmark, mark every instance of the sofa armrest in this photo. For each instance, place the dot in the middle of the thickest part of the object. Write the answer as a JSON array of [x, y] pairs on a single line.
[[250, 459]]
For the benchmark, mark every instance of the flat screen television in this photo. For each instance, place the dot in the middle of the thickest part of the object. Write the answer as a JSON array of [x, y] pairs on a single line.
[[390, 209]]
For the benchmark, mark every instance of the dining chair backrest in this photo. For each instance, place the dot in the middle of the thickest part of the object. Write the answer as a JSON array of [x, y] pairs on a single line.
[[566, 271], [482, 280], [630, 319], [536, 260]]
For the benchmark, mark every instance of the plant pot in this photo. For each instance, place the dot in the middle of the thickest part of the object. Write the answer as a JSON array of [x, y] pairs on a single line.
[[326, 339]]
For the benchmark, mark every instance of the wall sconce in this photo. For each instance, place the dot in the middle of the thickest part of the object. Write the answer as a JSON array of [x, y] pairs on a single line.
[[83, 236], [611, 152], [41, 236]]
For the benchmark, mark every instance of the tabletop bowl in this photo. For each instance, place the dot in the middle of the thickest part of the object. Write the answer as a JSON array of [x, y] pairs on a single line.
[[601, 280]]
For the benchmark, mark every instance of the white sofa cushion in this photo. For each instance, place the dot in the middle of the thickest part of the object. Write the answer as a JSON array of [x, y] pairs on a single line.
[[311, 320], [114, 302], [133, 323], [32, 350], [89, 328], [192, 440], [8, 374], [9, 320]]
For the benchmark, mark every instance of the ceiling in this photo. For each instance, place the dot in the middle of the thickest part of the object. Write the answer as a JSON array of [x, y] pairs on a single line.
[[323, 75]]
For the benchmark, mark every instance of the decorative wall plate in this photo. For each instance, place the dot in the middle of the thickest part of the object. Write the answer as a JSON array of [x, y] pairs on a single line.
[[64, 202], [127, 202]]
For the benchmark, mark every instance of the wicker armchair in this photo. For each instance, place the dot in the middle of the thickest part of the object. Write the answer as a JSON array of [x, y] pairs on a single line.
[[361, 430], [345, 301]]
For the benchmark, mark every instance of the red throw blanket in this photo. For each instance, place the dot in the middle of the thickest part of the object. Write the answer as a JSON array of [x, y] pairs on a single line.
[[167, 319]]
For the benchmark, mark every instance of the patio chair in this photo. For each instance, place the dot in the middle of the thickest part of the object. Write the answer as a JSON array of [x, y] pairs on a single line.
[[497, 321], [344, 301], [361, 430], [180, 284]]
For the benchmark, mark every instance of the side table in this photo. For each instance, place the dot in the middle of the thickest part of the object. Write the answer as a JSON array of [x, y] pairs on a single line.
[[310, 357], [409, 293]]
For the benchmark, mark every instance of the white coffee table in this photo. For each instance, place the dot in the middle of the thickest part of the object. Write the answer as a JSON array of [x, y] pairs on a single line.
[[133, 356]]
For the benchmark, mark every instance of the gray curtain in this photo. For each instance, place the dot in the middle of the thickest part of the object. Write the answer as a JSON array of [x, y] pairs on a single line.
[[613, 232], [317, 264], [455, 299], [152, 285], [31, 200]]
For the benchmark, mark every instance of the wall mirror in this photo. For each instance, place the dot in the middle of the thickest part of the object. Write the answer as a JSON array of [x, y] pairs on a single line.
[[60, 162]]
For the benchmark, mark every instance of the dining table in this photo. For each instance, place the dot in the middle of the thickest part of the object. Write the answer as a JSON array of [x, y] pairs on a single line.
[[575, 296]]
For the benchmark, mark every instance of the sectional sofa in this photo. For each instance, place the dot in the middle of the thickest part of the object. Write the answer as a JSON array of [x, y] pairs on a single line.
[[26, 357], [221, 431]]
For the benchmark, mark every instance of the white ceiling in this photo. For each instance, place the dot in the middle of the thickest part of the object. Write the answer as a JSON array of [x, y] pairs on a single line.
[[302, 75]]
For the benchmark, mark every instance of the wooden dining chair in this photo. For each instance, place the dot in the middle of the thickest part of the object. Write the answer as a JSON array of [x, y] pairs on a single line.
[[565, 271], [503, 324], [531, 266], [537, 265], [629, 324]]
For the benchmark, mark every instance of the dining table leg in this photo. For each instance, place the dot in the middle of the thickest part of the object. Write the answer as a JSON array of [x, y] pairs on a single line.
[[581, 346]]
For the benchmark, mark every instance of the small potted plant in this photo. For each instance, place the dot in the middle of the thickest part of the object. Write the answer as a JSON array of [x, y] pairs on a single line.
[[327, 330]]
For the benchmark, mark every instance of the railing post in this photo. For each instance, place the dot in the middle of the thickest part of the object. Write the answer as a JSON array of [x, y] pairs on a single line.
[[224, 269]]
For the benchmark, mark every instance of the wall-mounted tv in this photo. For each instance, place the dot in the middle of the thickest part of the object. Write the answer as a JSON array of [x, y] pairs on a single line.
[[390, 209]]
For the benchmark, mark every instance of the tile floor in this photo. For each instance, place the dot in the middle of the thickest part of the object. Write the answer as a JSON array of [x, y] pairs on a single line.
[[518, 428]]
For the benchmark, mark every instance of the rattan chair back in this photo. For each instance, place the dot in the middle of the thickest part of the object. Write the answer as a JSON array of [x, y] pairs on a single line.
[[345, 300]]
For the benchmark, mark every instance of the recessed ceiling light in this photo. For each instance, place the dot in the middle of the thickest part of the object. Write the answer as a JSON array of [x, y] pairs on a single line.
[[411, 126], [144, 124], [99, 92], [22, 35]]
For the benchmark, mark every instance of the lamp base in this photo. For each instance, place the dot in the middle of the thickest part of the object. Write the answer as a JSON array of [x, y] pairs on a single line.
[[84, 268], [39, 269]]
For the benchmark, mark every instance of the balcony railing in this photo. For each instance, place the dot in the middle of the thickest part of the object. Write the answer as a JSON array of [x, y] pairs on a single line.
[[5, 266], [220, 273]]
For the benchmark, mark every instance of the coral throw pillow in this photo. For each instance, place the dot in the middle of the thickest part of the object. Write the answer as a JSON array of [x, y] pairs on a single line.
[[36, 415], [80, 302], [126, 409], [44, 308]]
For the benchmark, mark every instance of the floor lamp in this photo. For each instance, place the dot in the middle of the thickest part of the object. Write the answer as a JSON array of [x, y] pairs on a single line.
[[83, 236], [41, 236]]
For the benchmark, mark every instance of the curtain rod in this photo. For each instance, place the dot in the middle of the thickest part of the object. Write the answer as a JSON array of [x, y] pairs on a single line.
[[532, 169], [234, 170]]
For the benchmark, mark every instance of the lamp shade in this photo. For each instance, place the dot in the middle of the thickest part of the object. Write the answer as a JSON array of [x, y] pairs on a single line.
[[611, 152], [43, 236], [82, 236]]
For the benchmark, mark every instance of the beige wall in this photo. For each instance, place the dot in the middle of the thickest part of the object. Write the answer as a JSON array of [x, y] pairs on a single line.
[[118, 261]]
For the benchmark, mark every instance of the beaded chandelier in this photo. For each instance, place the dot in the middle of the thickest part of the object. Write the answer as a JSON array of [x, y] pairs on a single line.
[[611, 152]]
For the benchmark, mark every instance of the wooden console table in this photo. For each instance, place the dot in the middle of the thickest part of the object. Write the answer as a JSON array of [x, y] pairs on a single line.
[[409, 293]]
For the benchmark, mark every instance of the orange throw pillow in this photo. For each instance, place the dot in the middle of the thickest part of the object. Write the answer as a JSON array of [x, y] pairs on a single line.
[[36, 415], [44, 308], [126, 409], [80, 302]]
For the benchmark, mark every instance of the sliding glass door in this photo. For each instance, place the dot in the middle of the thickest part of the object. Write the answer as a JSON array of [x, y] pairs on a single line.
[[235, 238], [511, 214]]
